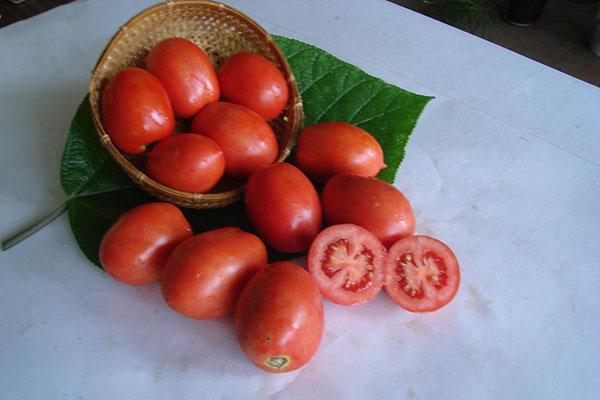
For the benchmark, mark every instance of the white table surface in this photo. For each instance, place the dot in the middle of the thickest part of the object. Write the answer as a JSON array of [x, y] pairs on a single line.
[[504, 165]]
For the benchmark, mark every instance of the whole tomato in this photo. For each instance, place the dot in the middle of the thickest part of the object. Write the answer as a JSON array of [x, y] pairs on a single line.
[[371, 203], [205, 274], [279, 318], [253, 81], [332, 148], [188, 162], [284, 207], [187, 74], [136, 247], [136, 110], [247, 140]]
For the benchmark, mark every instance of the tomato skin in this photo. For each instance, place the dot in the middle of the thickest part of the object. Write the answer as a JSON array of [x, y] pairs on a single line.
[[206, 274], [135, 249], [421, 274], [253, 81], [332, 148], [346, 261], [279, 317], [371, 203], [284, 207], [247, 140], [187, 74], [188, 162], [136, 110]]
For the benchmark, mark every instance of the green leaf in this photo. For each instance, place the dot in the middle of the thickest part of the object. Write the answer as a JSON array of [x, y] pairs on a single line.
[[99, 191]]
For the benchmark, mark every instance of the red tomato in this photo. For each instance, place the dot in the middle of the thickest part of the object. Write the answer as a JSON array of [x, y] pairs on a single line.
[[375, 205], [187, 73], [346, 261], [136, 247], [188, 162], [253, 81], [279, 318], [205, 275], [136, 110], [247, 140], [421, 274], [332, 148], [284, 207]]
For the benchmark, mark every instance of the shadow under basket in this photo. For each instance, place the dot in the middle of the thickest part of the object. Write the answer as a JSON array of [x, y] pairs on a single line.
[[220, 31]]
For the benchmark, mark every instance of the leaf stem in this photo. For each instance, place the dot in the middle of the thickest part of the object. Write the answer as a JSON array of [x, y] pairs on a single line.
[[34, 227]]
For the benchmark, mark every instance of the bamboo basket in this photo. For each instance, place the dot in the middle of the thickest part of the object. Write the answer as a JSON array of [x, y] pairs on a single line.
[[220, 31]]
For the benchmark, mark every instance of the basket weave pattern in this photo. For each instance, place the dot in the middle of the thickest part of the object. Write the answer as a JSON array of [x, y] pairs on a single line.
[[220, 31]]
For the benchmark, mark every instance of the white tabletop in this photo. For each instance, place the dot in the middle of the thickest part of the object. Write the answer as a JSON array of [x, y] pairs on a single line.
[[504, 165]]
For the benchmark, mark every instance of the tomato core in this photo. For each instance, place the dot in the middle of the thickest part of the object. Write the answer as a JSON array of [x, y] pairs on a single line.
[[416, 278], [353, 266]]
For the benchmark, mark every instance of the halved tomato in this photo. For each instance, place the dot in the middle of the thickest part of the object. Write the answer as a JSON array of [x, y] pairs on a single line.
[[421, 274], [346, 261]]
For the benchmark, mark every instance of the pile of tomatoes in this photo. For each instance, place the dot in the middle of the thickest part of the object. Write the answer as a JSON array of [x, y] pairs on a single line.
[[368, 244]]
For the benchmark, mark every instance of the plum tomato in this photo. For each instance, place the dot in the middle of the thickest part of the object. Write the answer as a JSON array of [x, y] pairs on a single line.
[[247, 140], [188, 162], [136, 110], [279, 318], [206, 274], [346, 262], [253, 81], [421, 274], [136, 247], [284, 207], [187, 74], [332, 148], [369, 202]]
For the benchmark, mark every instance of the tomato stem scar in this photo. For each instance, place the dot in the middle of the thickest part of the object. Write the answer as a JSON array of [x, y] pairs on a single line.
[[277, 362]]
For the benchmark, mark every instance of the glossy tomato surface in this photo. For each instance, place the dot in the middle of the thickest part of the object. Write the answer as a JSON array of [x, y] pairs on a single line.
[[332, 148], [253, 81], [346, 261], [136, 247], [136, 110], [371, 203], [206, 274], [284, 207], [422, 274], [187, 74], [188, 162], [279, 318], [247, 140]]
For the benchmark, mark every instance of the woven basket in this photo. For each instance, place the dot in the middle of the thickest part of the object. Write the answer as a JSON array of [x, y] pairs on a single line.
[[220, 31]]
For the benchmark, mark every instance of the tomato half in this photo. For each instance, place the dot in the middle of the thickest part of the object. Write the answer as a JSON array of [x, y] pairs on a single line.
[[279, 318], [136, 110], [136, 247], [188, 162], [421, 274], [187, 74], [247, 140], [332, 148], [346, 261], [371, 203], [253, 81], [205, 274]]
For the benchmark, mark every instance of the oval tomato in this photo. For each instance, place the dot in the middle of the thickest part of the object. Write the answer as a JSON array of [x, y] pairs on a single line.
[[253, 81], [332, 148], [371, 203], [188, 162], [247, 140], [205, 274], [187, 74], [136, 247], [284, 207], [136, 110], [421, 274], [279, 318], [346, 261]]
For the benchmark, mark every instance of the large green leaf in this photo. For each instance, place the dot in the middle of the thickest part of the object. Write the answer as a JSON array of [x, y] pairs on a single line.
[[99, 191]]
